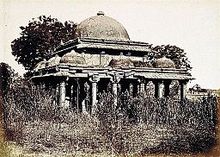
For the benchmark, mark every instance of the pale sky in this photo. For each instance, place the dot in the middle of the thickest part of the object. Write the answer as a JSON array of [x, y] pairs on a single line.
[[193, 25]]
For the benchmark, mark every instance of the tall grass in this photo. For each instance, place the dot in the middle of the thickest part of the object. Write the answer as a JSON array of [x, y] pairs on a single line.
[[137, 125], [173, 125]]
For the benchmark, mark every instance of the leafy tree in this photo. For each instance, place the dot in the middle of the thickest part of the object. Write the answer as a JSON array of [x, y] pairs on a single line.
[[43, 34], [39, 39], [7, 75], [176, 54]]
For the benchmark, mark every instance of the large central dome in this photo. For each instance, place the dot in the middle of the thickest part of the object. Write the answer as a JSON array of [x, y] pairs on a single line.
[[101, 27]]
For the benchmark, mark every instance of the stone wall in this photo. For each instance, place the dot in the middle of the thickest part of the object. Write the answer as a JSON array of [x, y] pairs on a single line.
[[94, 59]]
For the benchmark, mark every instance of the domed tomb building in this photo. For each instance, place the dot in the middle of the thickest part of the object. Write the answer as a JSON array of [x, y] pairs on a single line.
[[101, 57]]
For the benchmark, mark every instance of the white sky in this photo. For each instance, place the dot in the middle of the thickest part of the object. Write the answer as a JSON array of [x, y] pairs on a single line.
[[193, 25]]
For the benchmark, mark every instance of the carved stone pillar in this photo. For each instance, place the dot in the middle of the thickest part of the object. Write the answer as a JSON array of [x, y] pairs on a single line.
[[119, 88], [94, 95], [183, 89], [138, 89], [131, 89], [84, 106], [57, 93], [86, 101], [142, 83], [142, 88], [62, 94], [159, 89], [77, 94], [150, 88], [94, 81], [72, 96], [115, 87]]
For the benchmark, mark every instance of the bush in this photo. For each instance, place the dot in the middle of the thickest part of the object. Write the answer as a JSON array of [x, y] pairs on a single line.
[[171, 125]]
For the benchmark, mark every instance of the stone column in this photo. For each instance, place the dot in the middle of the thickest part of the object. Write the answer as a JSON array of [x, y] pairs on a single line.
[[94, 81], [77, 94], [57, 94], [115, 92], [86, 101], [94, 95], [131, 89], [138, 89], [142, 83], [119, 88], [84, 106], [159, 89], [142, 88], [115, 87], [72, 95], [62, 94], [183, 89]]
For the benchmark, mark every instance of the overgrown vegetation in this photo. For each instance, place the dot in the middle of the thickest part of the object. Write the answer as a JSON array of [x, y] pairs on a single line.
[[137, 125], [7, 76]]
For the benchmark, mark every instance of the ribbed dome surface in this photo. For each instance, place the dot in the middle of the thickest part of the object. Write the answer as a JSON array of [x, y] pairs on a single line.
[[41, 65], [164, 63], [121, 63], [54, 61], [101, 27], [72, 58]]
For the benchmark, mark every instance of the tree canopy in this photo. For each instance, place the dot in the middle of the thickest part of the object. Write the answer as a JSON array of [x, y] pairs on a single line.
[[39, 38], [7, 74], [43, 34], [176, 54]]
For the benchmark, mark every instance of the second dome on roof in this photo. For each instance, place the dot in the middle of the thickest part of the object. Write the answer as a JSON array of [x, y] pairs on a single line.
[[164, 62], [101, 27]]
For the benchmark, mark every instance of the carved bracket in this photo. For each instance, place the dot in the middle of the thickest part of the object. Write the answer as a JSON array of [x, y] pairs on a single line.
[[94, 78]]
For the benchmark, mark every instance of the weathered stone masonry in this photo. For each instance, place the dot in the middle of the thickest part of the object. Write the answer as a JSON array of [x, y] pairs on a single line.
[[101, 56]]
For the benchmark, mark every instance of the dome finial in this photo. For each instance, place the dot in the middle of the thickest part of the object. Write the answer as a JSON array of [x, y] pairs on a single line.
[[100, 13]]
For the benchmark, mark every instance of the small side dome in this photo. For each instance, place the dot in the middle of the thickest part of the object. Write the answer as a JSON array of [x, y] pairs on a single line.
[[73, 58], [164, 63], [121, 63], [54, 61], [41, 65], [142, 64]]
